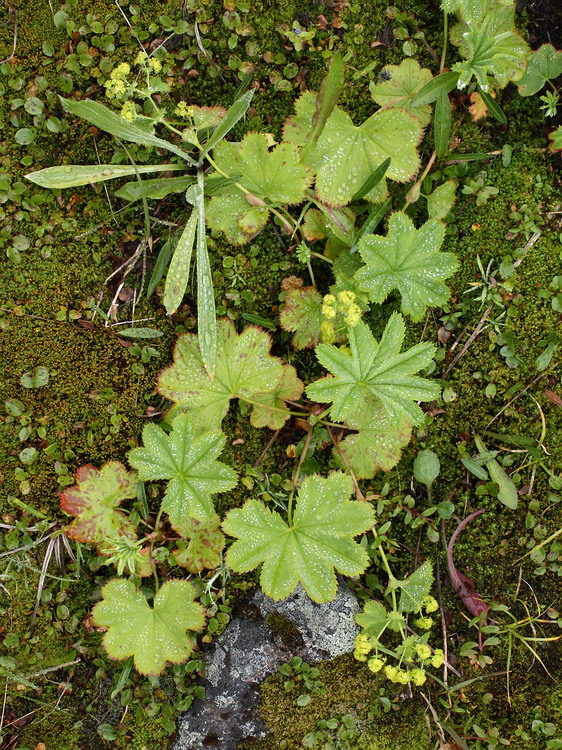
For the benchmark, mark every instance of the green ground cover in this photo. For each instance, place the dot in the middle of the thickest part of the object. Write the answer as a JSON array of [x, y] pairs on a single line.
[[94, 391]]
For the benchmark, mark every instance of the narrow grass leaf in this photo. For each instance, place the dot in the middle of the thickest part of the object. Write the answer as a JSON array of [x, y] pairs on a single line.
[[441, 84], [234, 113], [102, 117], [373, 180], [73, 175], [178, 272], [330, 90], [493, 107], [442, 125]]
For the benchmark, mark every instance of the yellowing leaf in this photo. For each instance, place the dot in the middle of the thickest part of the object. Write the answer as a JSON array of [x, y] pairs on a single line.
[[377, 444], [346, 154], [397, 86], [302, 314], [94, 500], [244, 368], [319, 539], [203, 545], [152, 635]]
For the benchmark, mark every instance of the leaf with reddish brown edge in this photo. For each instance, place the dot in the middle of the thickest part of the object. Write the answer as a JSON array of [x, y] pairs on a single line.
[[202, 545], [463, 585], [270, 409], [244, 368], [302, 314], [94, 500]]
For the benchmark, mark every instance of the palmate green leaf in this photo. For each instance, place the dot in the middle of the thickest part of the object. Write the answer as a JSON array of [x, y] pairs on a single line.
[[376, 374], [94, 500], [398, 85], [190, 465], [72, 175], [376, 446], [407, 259], [373, 620], [441, 200], [543, 64], [202, 544], [346, 154], [151, 635], [491, 47], [415, 588], [244, 369], [319, 539], [273, 177]]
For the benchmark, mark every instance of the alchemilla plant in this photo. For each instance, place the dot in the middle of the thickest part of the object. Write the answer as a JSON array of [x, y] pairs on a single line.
[[328, 186]]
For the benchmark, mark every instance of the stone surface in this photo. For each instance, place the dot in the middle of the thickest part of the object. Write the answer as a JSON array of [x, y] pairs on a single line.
[[262, 635]]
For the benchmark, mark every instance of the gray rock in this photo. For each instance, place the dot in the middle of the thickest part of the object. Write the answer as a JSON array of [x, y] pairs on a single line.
[[262, 635]]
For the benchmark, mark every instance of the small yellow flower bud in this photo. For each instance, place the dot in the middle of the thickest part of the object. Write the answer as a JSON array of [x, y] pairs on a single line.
[[425, 623], [328, 332], [155, 64], [417, 676], [423, 650], [430, 604], [375, 664], [438, 658], [390, 672]]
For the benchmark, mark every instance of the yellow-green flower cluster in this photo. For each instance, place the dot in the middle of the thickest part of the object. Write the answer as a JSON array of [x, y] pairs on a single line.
[[424, 623], [349, 308], [344, 304], [363, 646], [144, 61], [375, 664], [404, 676], [183, 110], [117, 86], [328, 332], [430, 604], [128, 111]]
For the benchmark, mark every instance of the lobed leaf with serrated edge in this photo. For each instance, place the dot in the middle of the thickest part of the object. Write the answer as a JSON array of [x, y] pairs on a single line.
[[346, 154], [189, 463], [415, 588], [376, 374], [377, 444], [407, 259], [244, 368], [94, 500], [269, 408], [201, 545], [399, 86], [151, 635], [319, 539]]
